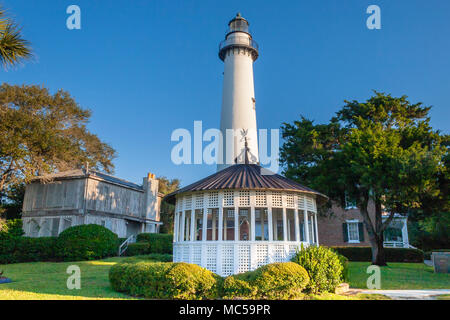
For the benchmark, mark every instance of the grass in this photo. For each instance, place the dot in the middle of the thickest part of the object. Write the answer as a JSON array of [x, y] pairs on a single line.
[[47, 280], [400, 276]]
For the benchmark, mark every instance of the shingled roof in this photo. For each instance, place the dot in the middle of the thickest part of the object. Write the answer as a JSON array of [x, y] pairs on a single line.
[[244, 176]]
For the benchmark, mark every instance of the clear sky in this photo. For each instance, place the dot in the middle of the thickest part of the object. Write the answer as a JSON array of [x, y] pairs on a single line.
[[146, 68]]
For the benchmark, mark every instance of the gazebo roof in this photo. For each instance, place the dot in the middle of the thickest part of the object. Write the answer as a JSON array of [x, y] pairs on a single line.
[[244, 176]]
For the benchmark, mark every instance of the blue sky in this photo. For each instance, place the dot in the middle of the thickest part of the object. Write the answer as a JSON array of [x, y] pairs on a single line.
[[146, 68]]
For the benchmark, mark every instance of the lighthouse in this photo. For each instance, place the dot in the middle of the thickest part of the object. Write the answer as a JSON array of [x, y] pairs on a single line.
[[241, 217], [238, 51]]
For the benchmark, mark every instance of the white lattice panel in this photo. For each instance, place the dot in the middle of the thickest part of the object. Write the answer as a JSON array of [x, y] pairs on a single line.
[[260, 198], [187, 201], [244, 258], [262, 255], [244, 198], [197, 254], [211, 258], [278, 252], [228, 198], [199, 201], [185, 254], [292, 250], [213, 200], [310, 204], [227, 260], [290, 200], [179, 205], [277, 200], [301, 201]]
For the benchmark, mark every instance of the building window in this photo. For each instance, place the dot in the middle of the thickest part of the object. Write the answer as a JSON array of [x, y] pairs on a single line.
[[350, 203], [353, 231]]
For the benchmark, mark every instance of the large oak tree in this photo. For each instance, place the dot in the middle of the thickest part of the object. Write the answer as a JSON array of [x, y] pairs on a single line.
[[382, 150], [42, 133]]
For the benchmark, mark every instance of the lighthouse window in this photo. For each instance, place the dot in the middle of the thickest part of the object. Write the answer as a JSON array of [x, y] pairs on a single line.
[[212, 230], [261, 224], [228, 224], [198, 224], [277, 224], [244, 225]]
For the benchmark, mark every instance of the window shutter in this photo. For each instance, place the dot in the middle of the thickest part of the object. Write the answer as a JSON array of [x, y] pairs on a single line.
[[361, 231], [345, 232]]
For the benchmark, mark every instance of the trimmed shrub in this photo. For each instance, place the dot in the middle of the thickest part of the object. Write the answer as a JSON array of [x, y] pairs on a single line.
[[284, 280], [11, 228], [345, 271], [86, 242], [164, 280], [24, 249], [139, 248], [392, 254], [159, 242], [323, 266]]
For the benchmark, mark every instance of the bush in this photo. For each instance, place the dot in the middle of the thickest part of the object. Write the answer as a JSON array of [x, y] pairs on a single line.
[[86, 242], [392, 254], [139, 248], [345, 271], [323, 266], [285, 280], [23, 249], [159, 242], [164, 280], [11, 228]]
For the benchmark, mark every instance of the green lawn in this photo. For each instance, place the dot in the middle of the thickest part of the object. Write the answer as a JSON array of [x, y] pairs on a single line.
[[47, 280], [400, 276]]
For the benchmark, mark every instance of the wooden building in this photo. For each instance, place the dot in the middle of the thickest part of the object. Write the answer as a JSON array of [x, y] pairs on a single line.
[[55, 202]]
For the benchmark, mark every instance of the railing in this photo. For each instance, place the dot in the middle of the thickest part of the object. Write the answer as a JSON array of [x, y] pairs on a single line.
[[397, 244], [124, 246], [238, 41]]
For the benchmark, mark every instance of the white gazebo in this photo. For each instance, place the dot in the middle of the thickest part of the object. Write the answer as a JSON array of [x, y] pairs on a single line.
[[238, 219]]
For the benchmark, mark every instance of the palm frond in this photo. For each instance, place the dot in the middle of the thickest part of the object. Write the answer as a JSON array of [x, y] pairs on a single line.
[[13, 48]]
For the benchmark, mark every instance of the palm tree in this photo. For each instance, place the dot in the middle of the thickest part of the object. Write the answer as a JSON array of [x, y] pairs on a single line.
[[13, 48]]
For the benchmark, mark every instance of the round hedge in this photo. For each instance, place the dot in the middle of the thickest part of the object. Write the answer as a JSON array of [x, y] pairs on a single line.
[[164, 280], [324, 268], [283, 280], [86, 242]]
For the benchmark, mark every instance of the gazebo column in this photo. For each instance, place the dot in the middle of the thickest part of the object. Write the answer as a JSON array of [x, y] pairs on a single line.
[[297, 222], [285, 225], [236, 231], [305, 216], [175, 227], [253, 246], [220, 238], [316, 228], [183, 218], [270, 227]]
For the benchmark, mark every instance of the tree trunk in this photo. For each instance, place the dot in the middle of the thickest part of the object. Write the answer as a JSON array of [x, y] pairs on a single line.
[[378, 256]]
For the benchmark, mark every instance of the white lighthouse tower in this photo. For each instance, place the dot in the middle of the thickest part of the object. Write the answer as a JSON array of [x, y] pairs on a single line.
[[238, 51]]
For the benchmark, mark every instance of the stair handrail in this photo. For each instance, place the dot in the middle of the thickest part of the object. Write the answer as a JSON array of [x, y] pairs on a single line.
[[124, 246]]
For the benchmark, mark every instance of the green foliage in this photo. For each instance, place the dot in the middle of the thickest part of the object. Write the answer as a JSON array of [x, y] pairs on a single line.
[[323, 266], [43, 133], [11, 228], [139, 248], [382, 150], [13, 48], [345, 267], [285, 280], [392, 254], [24, 249], [164, 280], [167, 210], [159, 242], [431, 232], [86, 242]]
